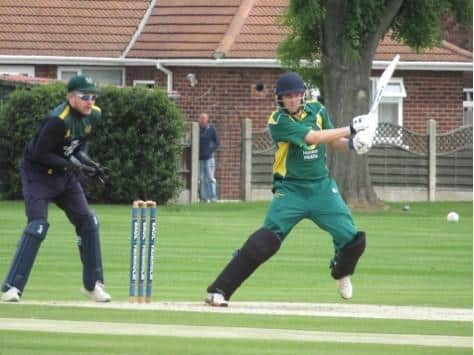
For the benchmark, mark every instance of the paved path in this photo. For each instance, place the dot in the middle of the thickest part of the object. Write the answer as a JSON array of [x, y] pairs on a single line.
[[186, 331], [289, 309]]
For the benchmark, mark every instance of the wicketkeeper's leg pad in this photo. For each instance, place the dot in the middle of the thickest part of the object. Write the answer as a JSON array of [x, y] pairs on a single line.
[[25, 256], [88, 231], [260, 246], [345, 261]]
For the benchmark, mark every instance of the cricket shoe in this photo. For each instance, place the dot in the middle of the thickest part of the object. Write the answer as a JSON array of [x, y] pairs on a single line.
[[98, 294], [216, 299], [344, 287], [12, 295]]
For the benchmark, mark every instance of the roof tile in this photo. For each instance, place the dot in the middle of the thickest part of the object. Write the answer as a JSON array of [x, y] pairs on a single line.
[[97, 28], [180, 25], [261, 24], [175, 29]]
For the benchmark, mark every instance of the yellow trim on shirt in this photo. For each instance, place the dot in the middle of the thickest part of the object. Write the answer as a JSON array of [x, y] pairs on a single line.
[[319, 121], [65, 112], [279, 166], [300, 116], [272, 119]]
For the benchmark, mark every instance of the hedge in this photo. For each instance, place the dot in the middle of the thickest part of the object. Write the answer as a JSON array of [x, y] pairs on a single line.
[[138, 139]]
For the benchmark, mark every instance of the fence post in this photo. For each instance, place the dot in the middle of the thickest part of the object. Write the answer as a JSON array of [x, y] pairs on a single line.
[[193, 189], [246, 159], [431, 160]]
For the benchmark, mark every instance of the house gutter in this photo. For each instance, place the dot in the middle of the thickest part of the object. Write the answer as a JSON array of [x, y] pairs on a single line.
[[273, 63], [221, 63], [424, 66]]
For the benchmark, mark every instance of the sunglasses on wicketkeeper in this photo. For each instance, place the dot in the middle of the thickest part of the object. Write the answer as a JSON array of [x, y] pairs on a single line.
[[86, 97]]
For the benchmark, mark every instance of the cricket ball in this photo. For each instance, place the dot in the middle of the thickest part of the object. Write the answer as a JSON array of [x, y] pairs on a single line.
[[453, 217]]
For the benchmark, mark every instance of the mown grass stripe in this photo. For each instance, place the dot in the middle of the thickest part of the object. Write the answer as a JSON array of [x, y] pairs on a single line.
[[186, 331]]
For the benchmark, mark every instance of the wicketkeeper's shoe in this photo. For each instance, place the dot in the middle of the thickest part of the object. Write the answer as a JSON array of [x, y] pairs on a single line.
[[98, 294], [12, 295], [344, 287], [216, 300]]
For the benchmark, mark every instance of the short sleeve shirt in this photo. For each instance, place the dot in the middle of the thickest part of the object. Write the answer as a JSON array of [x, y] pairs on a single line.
[[294, 158]]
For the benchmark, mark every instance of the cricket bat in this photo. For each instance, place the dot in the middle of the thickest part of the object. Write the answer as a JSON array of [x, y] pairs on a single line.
[[382, 84]]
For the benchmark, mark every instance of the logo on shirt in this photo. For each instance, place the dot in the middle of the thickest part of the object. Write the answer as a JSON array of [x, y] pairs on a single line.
[[310, 152], [70, 149]]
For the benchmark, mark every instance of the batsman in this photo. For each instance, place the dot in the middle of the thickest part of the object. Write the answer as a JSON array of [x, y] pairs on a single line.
[[302, 189], [53, 162]]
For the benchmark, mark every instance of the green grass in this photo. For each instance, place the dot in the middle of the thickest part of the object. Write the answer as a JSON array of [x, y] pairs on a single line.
[[412, 258], [28, 343], [394, 326]]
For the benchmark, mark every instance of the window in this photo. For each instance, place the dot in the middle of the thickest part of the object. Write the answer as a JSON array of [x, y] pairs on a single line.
[[150, 84], [390, 111], [101, 75], [467, 107], [24, 70]]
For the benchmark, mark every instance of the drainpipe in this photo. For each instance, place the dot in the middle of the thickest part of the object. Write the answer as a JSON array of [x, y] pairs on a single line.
[[169, 78]]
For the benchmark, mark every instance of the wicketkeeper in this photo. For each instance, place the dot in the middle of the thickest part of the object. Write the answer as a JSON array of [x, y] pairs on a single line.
[[302, 189], [51, 164]]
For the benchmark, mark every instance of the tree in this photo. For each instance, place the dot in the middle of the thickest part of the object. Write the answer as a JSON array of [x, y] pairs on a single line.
[[338, 39]]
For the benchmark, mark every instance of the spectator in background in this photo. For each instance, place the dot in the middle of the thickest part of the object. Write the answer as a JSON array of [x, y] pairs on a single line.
[[208, 143]]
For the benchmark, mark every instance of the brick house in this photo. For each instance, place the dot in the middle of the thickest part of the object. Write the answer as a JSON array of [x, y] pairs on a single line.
[[209, 55]]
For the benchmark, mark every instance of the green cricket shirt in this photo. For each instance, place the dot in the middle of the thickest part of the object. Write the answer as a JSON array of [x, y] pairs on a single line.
[[76, 127], [294, 158], [62, 132]]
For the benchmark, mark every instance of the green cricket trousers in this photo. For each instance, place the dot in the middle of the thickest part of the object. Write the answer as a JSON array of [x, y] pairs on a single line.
[[318, 200]]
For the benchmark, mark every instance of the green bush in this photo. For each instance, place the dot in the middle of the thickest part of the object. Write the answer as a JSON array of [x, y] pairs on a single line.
[[138, 139]]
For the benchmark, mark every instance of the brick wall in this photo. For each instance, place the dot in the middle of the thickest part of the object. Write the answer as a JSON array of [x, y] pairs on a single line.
[[432, 95], [228, 95]]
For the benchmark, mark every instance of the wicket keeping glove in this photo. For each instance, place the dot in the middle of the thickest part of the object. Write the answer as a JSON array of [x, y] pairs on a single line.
[[87, 172], [79, 168], [101, 172]]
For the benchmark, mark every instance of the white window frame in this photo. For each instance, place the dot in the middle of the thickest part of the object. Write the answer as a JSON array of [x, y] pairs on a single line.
[[25, 70], [391, 98], [79, 70], [467, 105], [144, 83]]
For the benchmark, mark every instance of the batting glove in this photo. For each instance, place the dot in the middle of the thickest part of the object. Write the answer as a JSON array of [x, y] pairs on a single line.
[[360, 123], [361, 142]]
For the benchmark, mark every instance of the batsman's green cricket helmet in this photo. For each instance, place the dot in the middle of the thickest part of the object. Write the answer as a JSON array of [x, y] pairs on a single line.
[[82, 83]]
